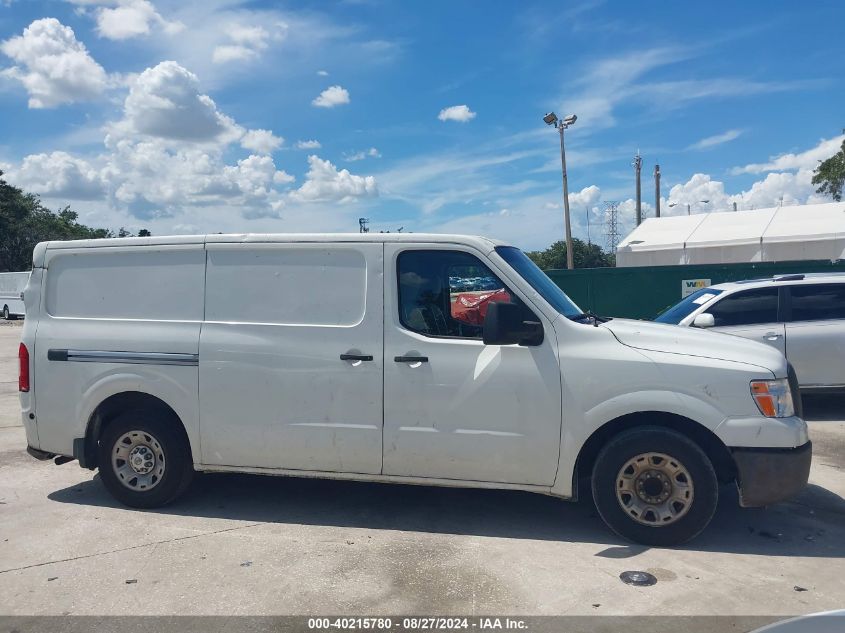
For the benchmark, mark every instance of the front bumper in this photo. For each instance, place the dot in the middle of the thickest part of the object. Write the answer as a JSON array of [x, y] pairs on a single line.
[[769, 475]]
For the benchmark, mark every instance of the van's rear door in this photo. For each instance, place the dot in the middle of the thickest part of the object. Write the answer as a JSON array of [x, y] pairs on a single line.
[[291, 356]]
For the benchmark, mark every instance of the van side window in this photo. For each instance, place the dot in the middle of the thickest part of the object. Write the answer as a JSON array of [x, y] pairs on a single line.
[[747, 308], [818, 302], [446, 293]]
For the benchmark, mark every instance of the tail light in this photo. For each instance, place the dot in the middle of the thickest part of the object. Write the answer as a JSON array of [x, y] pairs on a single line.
[[23, 373]]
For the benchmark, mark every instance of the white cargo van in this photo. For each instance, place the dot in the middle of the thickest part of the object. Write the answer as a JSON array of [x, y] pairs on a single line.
[[424, 359], [11, 287]]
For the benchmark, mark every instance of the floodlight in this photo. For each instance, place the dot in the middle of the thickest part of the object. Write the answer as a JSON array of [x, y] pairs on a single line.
[[550, 118]]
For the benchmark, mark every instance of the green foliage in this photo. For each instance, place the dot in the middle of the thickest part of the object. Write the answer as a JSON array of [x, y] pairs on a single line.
[[584, 256], [830, 175], [24, 222]]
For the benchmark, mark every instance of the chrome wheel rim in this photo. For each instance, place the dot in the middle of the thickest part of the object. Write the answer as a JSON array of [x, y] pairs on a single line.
[[138, 461], [654, 489]]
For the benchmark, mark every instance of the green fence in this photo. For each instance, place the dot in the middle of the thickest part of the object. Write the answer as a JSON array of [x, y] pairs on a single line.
[[644, 291]]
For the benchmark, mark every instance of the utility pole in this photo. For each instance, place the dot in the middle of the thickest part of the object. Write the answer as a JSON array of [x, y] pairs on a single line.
[[638, 164], [657, 191]]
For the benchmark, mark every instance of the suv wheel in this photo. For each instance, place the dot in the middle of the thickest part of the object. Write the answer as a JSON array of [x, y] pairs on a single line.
[[144, 459], [654, 486]]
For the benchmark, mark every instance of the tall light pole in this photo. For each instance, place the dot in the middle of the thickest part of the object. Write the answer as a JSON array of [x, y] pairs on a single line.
[[551, 119]]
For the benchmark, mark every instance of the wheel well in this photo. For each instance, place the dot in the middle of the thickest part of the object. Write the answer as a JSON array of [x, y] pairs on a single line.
[[712, 446], [112, 407]]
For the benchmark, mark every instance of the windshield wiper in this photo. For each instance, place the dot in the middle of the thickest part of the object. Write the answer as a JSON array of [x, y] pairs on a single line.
[[590, 316]]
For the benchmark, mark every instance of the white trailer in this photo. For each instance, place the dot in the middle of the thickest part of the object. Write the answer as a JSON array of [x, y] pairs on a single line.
[[11, 289]]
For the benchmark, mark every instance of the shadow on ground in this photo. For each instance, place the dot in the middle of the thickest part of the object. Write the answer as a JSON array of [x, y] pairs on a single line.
[[812, 525]]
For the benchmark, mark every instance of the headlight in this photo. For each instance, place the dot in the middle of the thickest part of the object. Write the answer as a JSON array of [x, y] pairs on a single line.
[[773, 398]]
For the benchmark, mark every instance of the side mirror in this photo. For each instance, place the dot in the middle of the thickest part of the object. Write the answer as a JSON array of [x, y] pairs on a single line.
[[704, 320], [506, 324]]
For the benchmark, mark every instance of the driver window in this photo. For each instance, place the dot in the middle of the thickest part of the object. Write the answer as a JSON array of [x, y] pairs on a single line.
[[446, 293]]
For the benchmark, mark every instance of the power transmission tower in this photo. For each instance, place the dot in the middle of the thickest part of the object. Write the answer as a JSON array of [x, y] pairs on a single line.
[[363, 225], [611, 225]]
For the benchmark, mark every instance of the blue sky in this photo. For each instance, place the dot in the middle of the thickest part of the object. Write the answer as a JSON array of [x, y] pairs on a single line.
[[299, 116]]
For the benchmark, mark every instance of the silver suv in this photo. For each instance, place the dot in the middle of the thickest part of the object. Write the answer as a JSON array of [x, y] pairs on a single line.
[[801, 315]]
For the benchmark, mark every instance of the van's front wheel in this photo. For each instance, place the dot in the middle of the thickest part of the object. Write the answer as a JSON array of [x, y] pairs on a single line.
[[654, 486], [144, 459]]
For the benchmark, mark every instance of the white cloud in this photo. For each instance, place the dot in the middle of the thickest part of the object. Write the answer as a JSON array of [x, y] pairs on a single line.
[[131, 18], [323, 73], [53, 66], [324, 182], [356, 156], [695, 191], [607, 83], [165, 167], [808, 159], [775, 189], [151, 180], [249, 35], [331, 97], [261, 141], [460, 113], [232, 53], [311, 144], [247, 42], [165, 102], [59, 175], [587, 197], [718, 139]]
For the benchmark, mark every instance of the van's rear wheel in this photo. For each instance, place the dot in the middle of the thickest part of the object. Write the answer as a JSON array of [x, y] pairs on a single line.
[[6, 313], [654, 486], [144, 459]]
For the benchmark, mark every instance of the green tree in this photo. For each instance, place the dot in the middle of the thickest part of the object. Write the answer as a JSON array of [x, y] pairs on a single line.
[[584, 256], [830, 174], [24, 222]]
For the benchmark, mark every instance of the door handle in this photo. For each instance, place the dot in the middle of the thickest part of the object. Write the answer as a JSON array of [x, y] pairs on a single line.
[[364, 357], [411, 359], [772, 336]]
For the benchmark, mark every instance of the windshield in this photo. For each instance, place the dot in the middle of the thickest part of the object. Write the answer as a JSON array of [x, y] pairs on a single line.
[[538, 280], [687, 306]]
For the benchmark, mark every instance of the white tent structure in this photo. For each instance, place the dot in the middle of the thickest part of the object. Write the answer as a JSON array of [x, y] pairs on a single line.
[[801, 232]]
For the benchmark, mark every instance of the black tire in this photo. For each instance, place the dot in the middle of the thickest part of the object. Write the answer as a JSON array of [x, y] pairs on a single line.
[[619, 452], [6, 313], [167, 433]]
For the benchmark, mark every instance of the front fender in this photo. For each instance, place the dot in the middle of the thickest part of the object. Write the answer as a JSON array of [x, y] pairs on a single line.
[[602, 380], [579, 426]]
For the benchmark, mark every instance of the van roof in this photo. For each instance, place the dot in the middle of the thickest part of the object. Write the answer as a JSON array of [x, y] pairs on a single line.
[[482, 243]]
